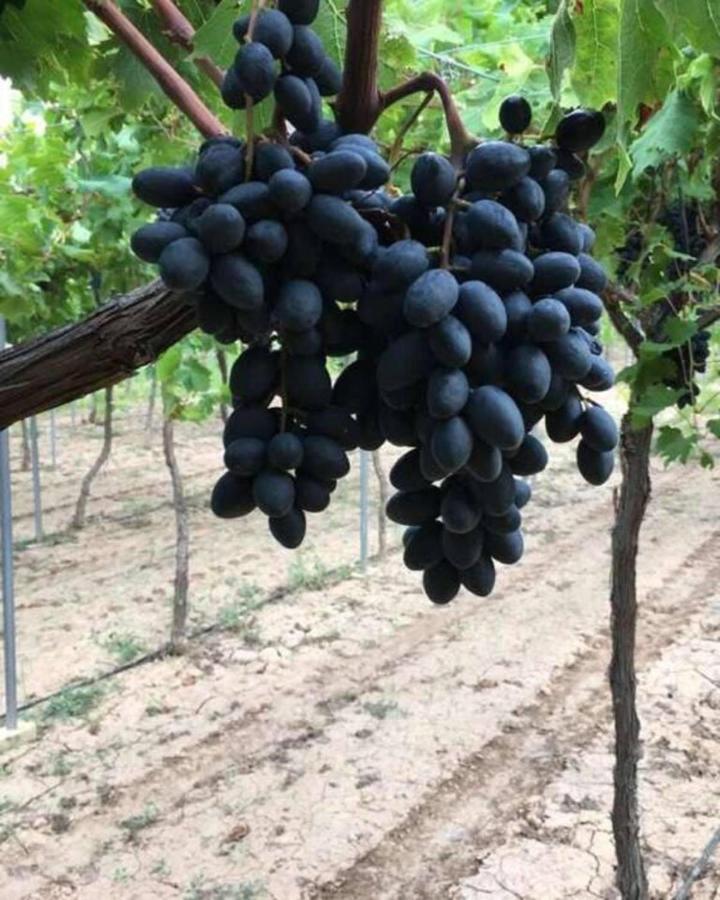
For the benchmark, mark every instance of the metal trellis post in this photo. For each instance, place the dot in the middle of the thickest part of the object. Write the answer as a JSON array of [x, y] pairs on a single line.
[[7, 574], [364, 503], [37, 498]]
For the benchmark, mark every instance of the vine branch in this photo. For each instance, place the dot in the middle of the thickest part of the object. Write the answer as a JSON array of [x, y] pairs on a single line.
[[460, 138], [174, 86], [615, 296], [180, 30]]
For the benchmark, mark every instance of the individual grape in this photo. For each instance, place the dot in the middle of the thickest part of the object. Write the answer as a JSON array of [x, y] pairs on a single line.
[[405, 361], [450, 342], [400, 265], [272, 28], [220, 167], [531, 458], [232, 497], [423, 546], [308, 384], [406, 474], [542, 161], [267, 241], [295, 101], [334, 422], [329, 78], [462, 550], [398, 426], [231, 90], [503, 270], [553, 272], [580, 130], [451, 444], [311, 494], [184, 264], [498, 496], [556, 187], [528, 373], [430, 298], [255, 69], [250, 422], [221, 228], [289, 530], [523, 493], [414, 507], [592, 275], [433, 179], [505, 548], [496, 165], [447, 392], [324, 458], [559, 232], [601, 376], [273, 492], [289, 191], [285, 451], [598, 429], [441, 582], [563, 424], [485, 463], [480, 578], [594, 466], [334, 220], [165, 186], [495, 418], [505, 524], [339, 171], [482, 311], [569, 356], [300, 12], [485, 365], [307, 54], [251, 200], [518, 309], [354, 388], [237, 281], [525, 200], [269, 159], [254, 375], [584, 306], [149, 241], [493, 227], [548, 320], [515, 114], [245, 457], [459, 511], [299, 305], [571, 164]]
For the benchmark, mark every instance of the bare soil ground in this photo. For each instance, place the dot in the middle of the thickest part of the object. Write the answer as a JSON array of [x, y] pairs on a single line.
[[338, 737]]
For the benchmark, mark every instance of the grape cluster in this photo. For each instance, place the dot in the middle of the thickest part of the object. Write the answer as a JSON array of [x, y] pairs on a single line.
[[470, 306], [489, 331], [272, 250]]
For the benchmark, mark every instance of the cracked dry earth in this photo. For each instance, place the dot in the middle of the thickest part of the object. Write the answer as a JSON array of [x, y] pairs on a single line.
[[347, 740]]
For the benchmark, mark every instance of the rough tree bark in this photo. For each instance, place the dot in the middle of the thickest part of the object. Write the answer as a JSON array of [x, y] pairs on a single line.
[[123, 335], [26, 455], [221, 357], [178, 631], [78, 519], [151, 404], [632, 503]]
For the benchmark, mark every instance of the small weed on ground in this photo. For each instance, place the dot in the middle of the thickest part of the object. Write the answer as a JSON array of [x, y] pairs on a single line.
[[133, 825], [381, 709], [314, 575], [72, 702], [124, 647], [200, 890]]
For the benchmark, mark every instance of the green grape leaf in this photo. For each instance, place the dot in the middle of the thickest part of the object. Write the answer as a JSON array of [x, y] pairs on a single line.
[[594, 76], [330, 28], [713, 426], [671, 132], [696, 20], [215, 37], [674, 446], [562, 48], [644, 60]]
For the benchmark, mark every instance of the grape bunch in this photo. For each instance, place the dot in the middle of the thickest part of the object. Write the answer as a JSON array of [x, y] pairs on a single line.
[[464, 312], [490, 310]]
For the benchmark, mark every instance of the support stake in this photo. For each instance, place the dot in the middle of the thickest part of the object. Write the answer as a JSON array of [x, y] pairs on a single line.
[[7, 574]]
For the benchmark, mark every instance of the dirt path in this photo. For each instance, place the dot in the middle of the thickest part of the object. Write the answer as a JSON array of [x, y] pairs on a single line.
[[352, 742]]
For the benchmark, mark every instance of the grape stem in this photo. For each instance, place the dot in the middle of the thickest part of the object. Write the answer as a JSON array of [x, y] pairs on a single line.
[[460, 139], [397, 146], [173, 85], [249, 108], [179, 30]]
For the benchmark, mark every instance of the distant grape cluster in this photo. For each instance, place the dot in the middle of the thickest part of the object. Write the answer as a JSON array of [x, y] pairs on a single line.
[[465, 311]]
